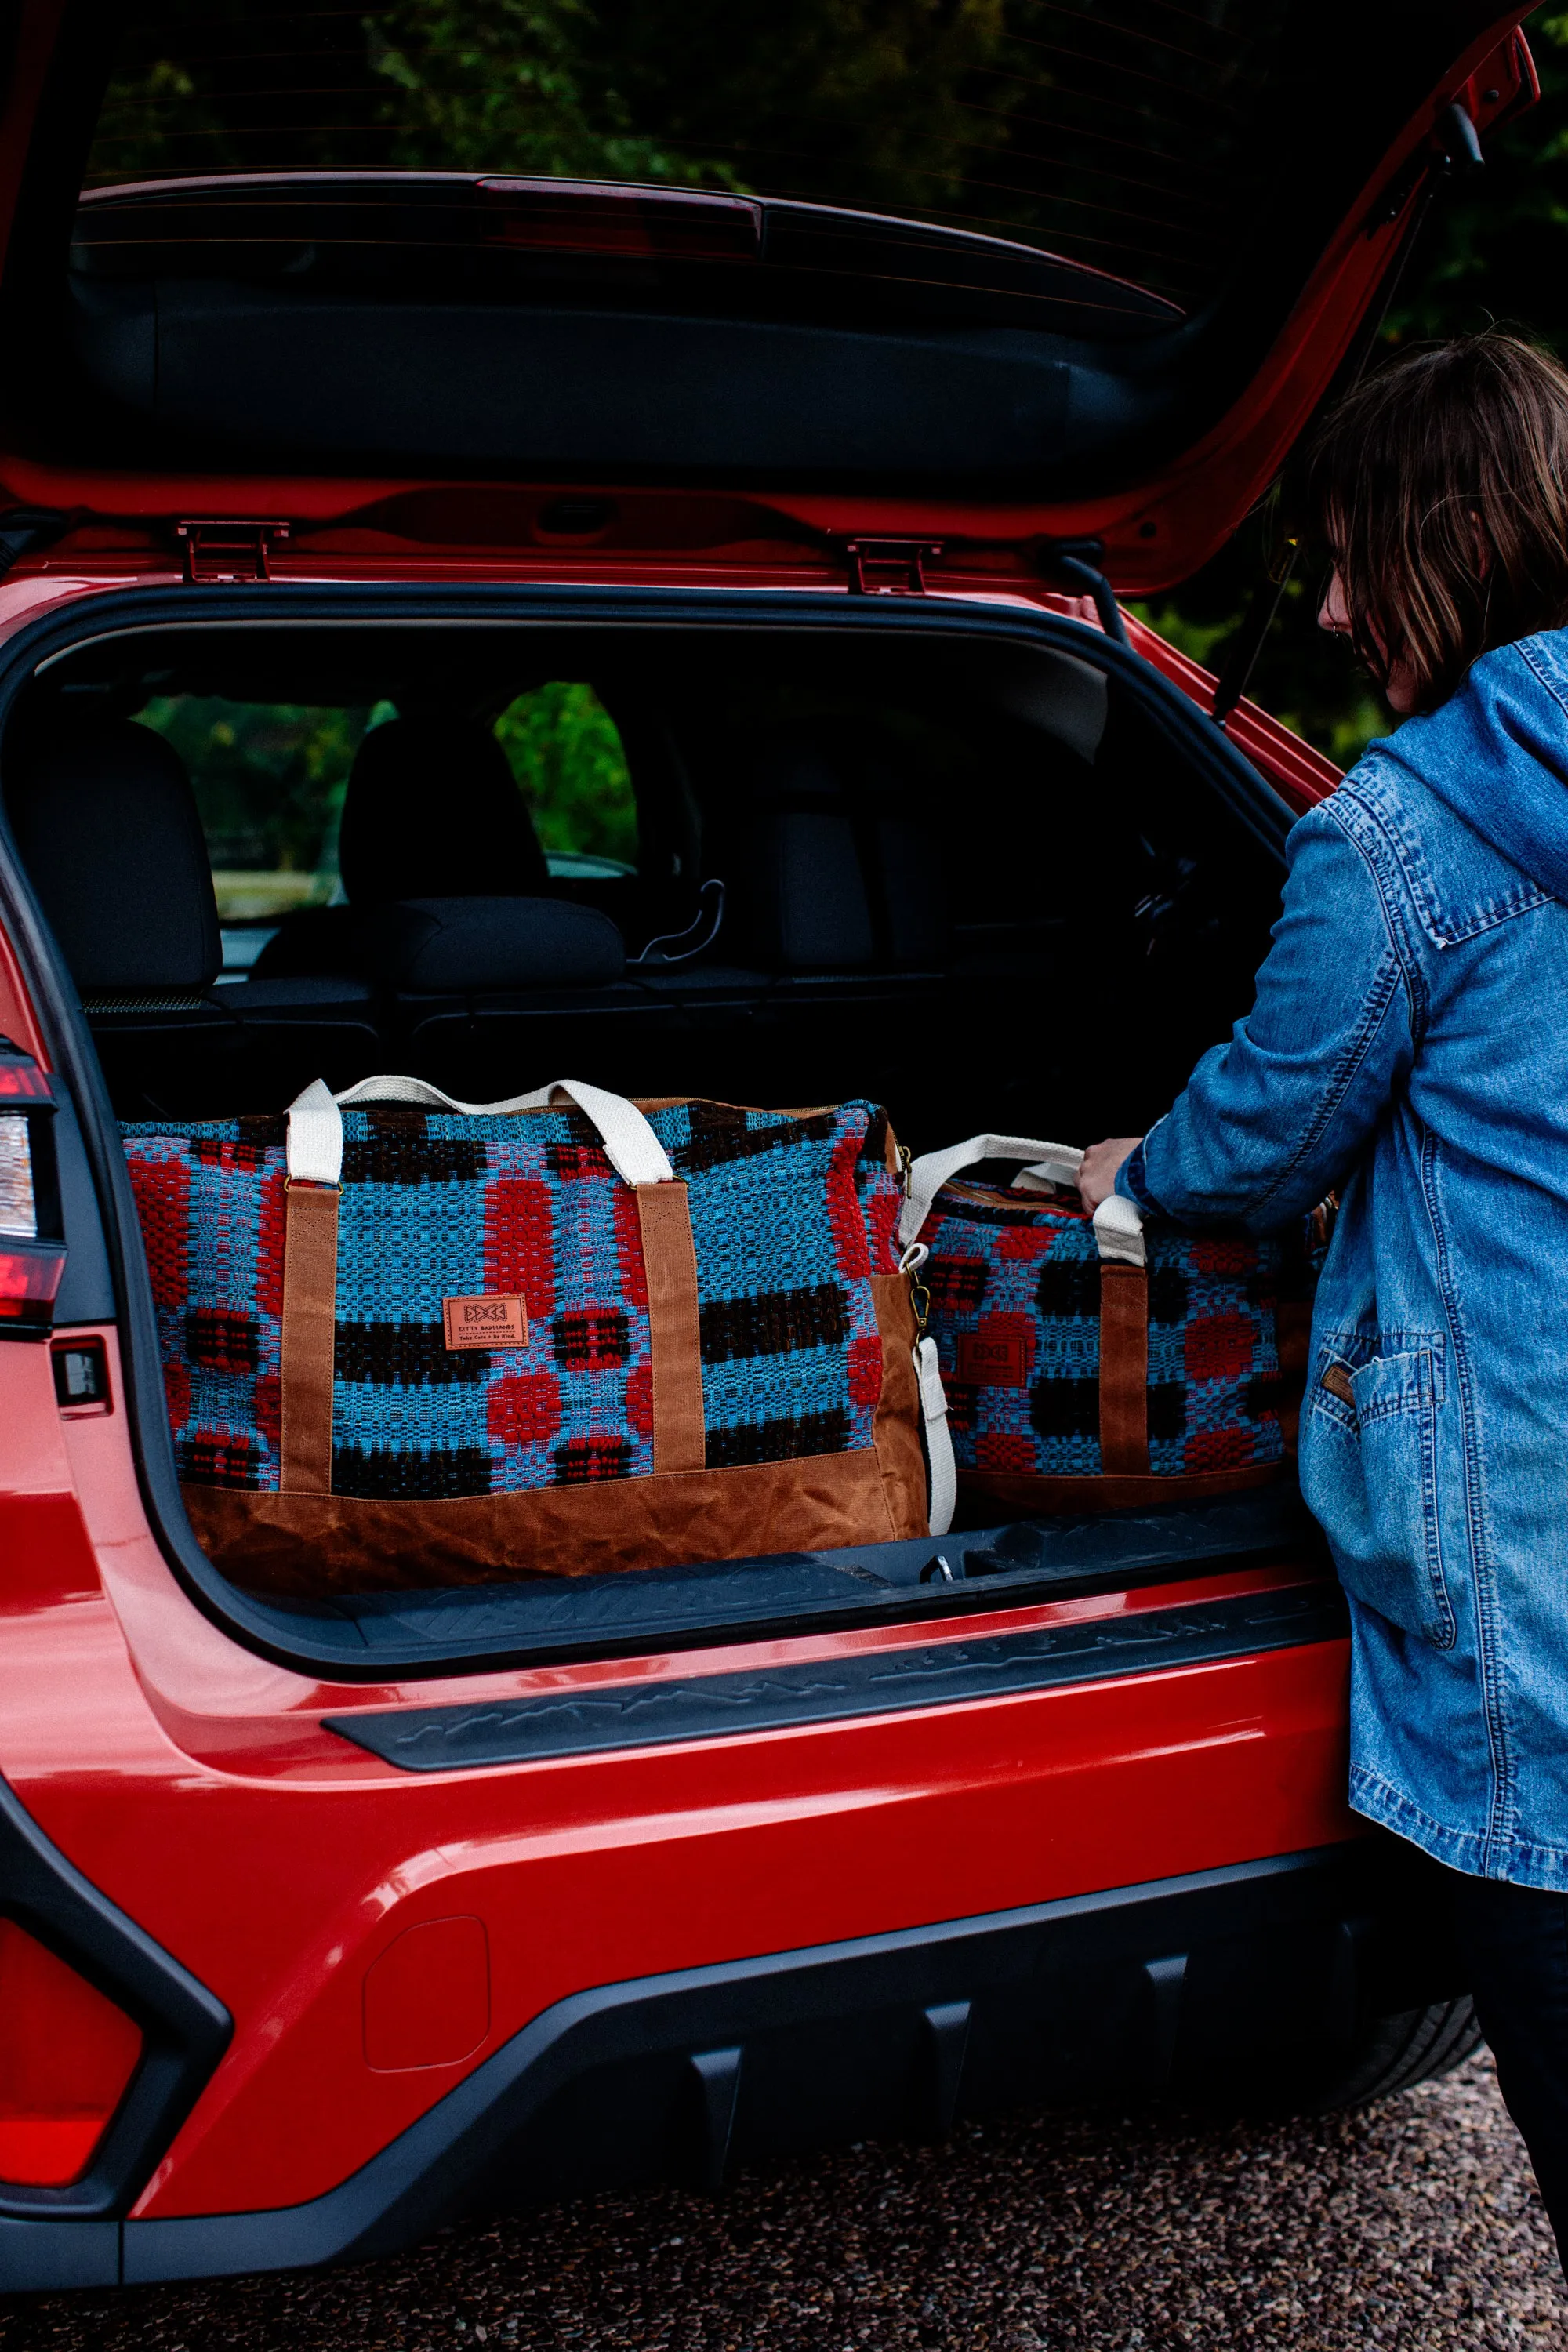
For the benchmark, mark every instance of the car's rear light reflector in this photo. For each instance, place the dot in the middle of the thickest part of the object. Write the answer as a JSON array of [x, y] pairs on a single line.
[[30, 1279], [32, 1253], [21, 1080], [652, 224], [66, 2054]]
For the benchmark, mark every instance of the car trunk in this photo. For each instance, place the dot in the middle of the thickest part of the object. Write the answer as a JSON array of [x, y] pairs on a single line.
[[595, 358], [932, 826]]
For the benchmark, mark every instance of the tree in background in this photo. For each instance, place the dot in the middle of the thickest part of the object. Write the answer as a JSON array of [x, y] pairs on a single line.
[[1493, 251], [942, 107]]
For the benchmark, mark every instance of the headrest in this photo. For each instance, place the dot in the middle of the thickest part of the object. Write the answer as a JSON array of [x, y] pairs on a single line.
[[432, 807], [452, 945], [797, 873], [107, 825]]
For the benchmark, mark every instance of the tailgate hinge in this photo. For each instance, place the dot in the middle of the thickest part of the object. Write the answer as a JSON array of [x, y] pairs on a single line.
[[230, 550], [1076, 563], [889, 567]]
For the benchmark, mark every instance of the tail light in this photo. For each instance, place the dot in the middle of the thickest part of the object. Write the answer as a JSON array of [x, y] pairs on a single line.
[[66, 2054], [32, 1246]]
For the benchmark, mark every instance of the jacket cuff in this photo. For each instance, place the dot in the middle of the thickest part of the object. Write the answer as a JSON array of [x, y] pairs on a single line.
[[1133, 1183]]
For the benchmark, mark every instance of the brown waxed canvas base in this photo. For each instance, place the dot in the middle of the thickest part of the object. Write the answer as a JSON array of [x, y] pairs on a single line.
[[307, 1546], [981, 1495], [311, 1546]]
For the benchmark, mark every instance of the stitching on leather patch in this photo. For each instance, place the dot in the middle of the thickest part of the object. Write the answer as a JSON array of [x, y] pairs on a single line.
[[997, 1359], [489, 1321]]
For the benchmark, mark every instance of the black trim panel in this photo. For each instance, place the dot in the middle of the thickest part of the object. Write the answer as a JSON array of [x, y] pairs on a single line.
[[981, 1569], [185, 2030], [878, 1682], [1195, 1976]]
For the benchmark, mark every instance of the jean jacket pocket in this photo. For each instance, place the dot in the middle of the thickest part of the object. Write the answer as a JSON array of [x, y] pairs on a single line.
[[1369, 1474]]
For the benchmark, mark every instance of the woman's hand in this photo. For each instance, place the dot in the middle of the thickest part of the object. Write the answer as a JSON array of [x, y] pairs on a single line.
[[1097, 1177]]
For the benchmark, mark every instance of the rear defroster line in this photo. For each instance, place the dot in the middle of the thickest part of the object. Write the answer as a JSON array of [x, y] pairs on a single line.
[[878, 1682]]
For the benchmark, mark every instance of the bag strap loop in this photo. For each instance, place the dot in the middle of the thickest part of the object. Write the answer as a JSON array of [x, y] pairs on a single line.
[[316, 1126], [1118, 1226]]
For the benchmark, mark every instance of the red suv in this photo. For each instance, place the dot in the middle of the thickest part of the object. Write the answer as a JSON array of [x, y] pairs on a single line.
[[763, 492]]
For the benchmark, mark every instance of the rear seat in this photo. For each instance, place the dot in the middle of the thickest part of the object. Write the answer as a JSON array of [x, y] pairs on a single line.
[[835, 917], [107, 825], [489, 997], [431, 810], [832, 863]]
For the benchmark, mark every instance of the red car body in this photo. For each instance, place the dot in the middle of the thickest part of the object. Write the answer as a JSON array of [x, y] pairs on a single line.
[[268, 1999]]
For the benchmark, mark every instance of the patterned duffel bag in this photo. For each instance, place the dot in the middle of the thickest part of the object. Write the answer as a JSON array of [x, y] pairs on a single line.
[[408, 1342], [1100, 1364]]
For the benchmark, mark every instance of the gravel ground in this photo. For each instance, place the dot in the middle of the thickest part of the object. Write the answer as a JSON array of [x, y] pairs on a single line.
[[1414, 2225]]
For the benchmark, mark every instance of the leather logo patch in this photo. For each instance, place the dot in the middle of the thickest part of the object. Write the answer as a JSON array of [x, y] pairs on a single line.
[[994, 1359], [488, 1322]]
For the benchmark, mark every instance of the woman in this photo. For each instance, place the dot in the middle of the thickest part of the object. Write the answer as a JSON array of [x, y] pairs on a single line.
[[1409, 1045]]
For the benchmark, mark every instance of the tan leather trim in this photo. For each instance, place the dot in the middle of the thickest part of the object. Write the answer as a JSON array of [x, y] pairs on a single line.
[[982, 1494], [312, 1546], [896, 1424], [680, 1434], [1124, 1370], [309, 1338]]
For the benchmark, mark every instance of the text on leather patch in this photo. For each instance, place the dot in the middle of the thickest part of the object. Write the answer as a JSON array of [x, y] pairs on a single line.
[[994, 1359], [486, 1322]]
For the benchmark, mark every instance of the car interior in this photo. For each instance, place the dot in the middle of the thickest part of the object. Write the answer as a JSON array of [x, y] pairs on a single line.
[[905, 872], [970, 880]]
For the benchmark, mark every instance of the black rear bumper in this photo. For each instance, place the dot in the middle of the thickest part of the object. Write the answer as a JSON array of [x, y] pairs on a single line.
[[1223, 1980]]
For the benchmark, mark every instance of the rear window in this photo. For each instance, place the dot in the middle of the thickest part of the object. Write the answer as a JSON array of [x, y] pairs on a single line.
[[270, 780], [1126, 134]]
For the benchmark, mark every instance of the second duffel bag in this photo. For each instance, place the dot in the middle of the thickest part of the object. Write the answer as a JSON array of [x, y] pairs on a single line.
[[1100, 1364], [409, 1341]]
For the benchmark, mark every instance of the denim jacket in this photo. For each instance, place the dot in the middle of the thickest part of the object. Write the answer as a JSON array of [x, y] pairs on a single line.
[[1409, 1045]]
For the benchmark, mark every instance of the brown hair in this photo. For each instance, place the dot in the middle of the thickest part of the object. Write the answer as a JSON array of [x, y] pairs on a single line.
[[1440, 486]]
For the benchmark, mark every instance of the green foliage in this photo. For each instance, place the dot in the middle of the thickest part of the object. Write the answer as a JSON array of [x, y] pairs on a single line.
[[1493, 252], [269, 778], [914, 106], [508, 86], [859, 99], [952, 106], [567, 757]]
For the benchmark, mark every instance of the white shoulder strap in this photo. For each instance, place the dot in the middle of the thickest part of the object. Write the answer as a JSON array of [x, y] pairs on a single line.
[[1117, 1227], [939, 1437], [316, 1126]]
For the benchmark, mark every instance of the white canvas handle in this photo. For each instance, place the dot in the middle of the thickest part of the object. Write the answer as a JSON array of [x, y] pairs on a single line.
[[939, 1438], [316, 1126], [1117, 1227]]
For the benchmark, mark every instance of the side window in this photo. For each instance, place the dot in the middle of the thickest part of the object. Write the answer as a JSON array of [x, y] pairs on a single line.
[[571, 767]]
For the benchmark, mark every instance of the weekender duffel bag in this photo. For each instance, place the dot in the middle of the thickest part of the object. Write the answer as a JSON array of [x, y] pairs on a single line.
[[1099, 1363], [411, 1341]]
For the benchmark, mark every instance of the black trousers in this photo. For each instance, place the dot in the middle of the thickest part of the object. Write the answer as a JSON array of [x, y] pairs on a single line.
[[1513, 1944]]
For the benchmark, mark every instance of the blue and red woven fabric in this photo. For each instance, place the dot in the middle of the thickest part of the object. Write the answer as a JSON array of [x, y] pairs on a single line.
[[1015, 1284], [790, 1217]]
